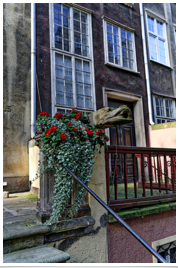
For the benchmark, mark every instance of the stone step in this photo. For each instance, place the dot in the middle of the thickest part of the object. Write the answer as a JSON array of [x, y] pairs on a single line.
[[27, 234], [40, 254]]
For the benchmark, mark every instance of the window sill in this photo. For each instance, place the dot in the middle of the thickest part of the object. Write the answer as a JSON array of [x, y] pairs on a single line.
[[122, 68], [162, 64]]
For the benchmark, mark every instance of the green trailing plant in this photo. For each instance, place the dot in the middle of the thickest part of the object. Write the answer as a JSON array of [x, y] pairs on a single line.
[[68, 139]]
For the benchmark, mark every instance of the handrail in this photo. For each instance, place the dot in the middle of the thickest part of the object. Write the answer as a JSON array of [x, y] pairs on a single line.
[[139, 238]]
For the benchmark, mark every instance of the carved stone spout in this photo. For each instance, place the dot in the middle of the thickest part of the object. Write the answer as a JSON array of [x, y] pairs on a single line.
[[109, 117]]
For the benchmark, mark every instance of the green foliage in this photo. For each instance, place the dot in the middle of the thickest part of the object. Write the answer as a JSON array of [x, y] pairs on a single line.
[[70, 140]]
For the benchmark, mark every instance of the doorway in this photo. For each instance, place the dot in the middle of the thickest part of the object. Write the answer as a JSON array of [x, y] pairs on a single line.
[[122, 135]]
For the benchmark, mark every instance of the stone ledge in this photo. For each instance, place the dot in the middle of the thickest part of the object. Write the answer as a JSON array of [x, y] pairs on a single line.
[[41, 254], [15, 230], [139, 212]]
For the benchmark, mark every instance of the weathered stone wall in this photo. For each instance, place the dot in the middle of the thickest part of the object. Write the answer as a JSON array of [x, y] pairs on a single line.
[[16, 94]]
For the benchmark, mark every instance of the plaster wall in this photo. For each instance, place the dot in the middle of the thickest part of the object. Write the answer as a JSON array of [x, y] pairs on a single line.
[[163, 135], [16, 94], [124, 248]]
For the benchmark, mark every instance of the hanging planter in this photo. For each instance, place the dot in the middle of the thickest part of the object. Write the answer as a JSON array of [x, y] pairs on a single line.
[[70, 140]]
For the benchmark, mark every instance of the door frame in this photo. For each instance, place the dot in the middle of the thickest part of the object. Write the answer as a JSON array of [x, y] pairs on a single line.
[[139, 124]]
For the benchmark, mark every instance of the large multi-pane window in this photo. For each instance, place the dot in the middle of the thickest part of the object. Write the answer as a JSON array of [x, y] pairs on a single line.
[[164, 109], [166, 247], [119, 46], [157, 39], [72, 58]]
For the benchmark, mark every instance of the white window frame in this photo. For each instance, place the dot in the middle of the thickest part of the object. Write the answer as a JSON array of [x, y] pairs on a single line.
[[120, 26], [167, 119], [163, 242], [54, 50], [157, 37]]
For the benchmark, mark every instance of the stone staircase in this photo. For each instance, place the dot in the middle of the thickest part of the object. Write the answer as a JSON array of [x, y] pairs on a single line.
[[27, 241]]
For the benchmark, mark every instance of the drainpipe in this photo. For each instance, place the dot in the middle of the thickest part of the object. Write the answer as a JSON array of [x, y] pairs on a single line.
[[146, 66], [33, 69]]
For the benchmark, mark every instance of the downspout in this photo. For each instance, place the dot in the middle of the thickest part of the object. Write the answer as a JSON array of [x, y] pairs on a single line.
[[146, 66], [33, 70]]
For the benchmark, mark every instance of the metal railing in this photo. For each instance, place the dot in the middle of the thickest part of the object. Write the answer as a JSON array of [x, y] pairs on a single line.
[[125, 165], [139, 238]]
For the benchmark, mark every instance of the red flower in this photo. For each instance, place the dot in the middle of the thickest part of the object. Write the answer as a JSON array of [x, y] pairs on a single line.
[[77, 116], [72, 110], [106, 138], [53, 128], [89, 132], [48, 132], [70, 124], [100, 131], [63, 136], [58, 116], [80, 128], [44, 113], [97, 133], [74, 129]]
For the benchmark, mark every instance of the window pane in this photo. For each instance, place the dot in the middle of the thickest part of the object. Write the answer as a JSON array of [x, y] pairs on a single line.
[[157, 101], [125, 63], [66, 10], [67, 61], [110, 37], [116, 50], [57, 19], [77, 37], [152, 45], [83, 17], [111, 57], [76, 15], [151, 24], [59, 85], [84, 28], [85, 50], [76, 26], [109, 27], [78, 76], [68, 86], [117, 59], [123, 42], [66, 45], [162, 111], [57, 8], [131, 64], [57, 30], [167, 112], [59, 59], [78, 49], [157, 111], [80, 101], [160, 28], [68, 74], [86, 66], [84, 39], [87, 78], [162, 53], [123, 33], [116, 39], [59, 72], [66, 22], [88, 102], [69, 99], [115, 30], [79, 88], [110, 47], [87, 89], [58, 43], [60, 98], [66, 33], [78, 64]]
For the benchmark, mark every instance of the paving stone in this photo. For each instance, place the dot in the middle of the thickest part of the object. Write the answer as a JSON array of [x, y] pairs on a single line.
[[41, 254]]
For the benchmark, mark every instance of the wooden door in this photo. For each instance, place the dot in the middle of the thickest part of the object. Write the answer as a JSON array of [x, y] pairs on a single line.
[[123, 135]]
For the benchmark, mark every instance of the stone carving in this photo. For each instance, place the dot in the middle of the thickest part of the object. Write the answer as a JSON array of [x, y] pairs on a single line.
[[109, 117]]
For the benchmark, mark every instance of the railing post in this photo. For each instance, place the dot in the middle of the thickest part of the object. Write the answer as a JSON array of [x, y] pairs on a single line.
[[135, 175], [115, 179], [143, 174], [150, 175], [165, 173], [159, 181], [172, 174], [107, 175], [125, 175]]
